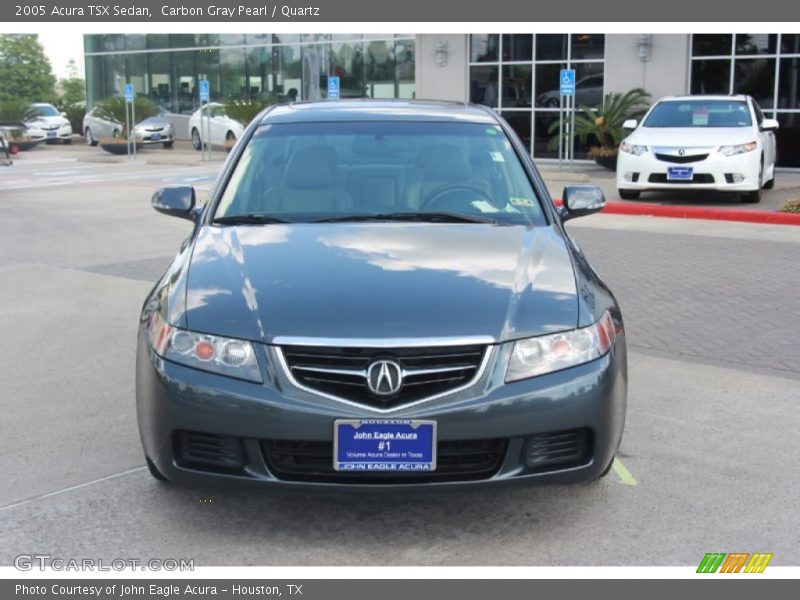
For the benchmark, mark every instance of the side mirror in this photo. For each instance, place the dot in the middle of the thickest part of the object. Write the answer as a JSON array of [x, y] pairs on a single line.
[[769, 125], [176, 201], [630, 124], [581, 200]]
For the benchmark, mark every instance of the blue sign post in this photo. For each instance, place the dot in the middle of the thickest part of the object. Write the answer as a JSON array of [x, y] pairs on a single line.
[[130, 123], [128, 92], [333, 87], [204, 91], [567, 82], [566, 86]]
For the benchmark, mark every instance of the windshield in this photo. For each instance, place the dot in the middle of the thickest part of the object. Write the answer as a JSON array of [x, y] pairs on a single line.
[[303, 172], [699, 113], [43, 110]]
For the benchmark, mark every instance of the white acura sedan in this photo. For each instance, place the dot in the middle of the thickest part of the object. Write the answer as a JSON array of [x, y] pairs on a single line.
[[224, 130], [720, 143], [45, 123]]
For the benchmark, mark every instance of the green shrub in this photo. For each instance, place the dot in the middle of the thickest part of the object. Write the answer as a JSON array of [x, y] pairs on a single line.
[[792, 205], [244, 111]]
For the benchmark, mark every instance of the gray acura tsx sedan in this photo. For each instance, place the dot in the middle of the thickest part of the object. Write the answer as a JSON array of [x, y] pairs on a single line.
[[380, 295]]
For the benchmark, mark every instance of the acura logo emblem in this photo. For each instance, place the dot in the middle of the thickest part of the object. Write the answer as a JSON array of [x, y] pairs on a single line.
[[681, 152], [384, 377]]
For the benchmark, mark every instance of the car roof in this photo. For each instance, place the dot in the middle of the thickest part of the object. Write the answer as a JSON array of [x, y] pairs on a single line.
[[378, 110], [738, 97]]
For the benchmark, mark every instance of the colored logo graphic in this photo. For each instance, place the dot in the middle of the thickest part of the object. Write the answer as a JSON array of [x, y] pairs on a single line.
[[736, 562]]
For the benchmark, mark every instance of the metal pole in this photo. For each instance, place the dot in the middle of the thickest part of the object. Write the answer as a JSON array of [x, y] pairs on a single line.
[[133, 124], [127, 132], [572, 135], [560, 130], [208, 129]]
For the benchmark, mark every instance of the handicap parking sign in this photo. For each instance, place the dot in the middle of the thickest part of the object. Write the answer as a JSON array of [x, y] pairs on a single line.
[[128, 92], [567, 81], [333, 87], [204, 95]]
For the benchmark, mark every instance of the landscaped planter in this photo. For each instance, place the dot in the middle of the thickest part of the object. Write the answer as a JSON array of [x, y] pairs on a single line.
[[117, 145], [21, 143], [608, 161]]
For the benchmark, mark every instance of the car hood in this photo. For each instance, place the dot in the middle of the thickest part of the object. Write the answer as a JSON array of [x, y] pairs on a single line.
[[156, 121], [379, 280], [691, 136], [46, 121]]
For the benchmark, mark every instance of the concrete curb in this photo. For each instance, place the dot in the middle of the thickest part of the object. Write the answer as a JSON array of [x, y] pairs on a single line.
[[699, 212]]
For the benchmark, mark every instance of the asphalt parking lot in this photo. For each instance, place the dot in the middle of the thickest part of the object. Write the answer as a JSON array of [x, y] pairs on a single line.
[[708, 458]]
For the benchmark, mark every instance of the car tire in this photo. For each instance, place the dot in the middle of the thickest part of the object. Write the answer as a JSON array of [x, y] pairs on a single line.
[[629, 194], [68, 141], [154, 470], [753, 197], [196, 143], [230, 140], [89, 137], [168, 144], [771, 183]]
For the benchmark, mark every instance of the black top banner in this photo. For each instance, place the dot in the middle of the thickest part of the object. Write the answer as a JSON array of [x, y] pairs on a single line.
[[321, 11]]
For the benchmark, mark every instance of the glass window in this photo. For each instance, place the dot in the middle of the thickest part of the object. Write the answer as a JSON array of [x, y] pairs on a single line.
[[347, 62], [756, 43], [588, 46], [517, 84], [288, 72], [548, 90], [483, 86], [589, 84], [231, 39], [790, 43], [136, 68], [184, 82], [257, 39], [466, 168], [712, 44], [789, 83], [543, 121], [484, 47], [711, 76], [551, 46], [517, 47], [161, 83], [157, 41], [181, 40], [788, 139], [520, 122], [755, 77], [405, 51], [699, 113], [259, 74], [92, 43], [207, 62], [379, 68], [135, 42], [233, 82]]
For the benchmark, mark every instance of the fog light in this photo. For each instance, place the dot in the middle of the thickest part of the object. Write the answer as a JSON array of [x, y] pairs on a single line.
[[738, 178], [628, 176]]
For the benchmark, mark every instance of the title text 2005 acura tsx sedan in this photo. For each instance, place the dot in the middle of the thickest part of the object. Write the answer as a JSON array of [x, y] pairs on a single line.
[[380, 295]]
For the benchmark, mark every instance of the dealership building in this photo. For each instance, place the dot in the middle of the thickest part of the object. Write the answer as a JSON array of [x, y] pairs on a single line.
[[516, 74]]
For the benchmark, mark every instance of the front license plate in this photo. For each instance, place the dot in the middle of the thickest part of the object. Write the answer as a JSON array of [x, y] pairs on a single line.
[[51, 133], [155, 137], [680, 173], [384, 445]]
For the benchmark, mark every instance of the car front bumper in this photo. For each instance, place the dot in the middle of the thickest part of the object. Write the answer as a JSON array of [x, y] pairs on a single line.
[[38, 135], [739, 173], [155, 137], [172, 398]]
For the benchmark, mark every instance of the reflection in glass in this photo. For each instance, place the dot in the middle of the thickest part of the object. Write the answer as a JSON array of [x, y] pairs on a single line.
[[483, 86], [707, 44], [551, 46], [161, 87], [756, 43], [405, 51], [484, 47], [589, 84], [587, 46], [542, 122], [789, 82], [548, 93], [379, 63], [711, 76], [520, 122], [755, 77], [517, 85], [232, 74], [790, 43], [517, 47], [788, 139]]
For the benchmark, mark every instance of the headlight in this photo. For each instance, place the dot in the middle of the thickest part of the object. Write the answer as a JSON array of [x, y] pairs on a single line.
[[226, 356], [632, 149], [738, 149], [548, 353]]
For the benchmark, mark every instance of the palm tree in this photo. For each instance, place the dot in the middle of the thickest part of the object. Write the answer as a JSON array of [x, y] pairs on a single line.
[[605, 123]]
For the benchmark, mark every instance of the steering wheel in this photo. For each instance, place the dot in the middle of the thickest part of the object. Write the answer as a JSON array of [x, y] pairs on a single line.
[[441, 192]]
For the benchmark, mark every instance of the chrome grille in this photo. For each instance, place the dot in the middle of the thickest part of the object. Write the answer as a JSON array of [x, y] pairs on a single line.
[[343, 372], [681, 159]]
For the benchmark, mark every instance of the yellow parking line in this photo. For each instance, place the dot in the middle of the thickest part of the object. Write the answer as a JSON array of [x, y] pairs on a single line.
[[624, 475]]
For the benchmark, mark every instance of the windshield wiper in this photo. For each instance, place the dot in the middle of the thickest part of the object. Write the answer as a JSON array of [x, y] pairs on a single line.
[[414, 217], [249, 219]]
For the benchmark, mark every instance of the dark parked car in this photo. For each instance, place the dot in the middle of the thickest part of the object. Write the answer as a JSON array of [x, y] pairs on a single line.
[[380, 294]]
